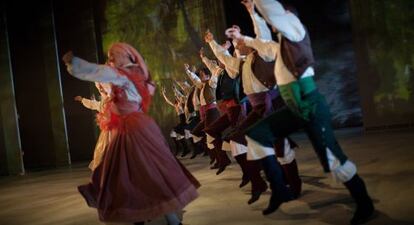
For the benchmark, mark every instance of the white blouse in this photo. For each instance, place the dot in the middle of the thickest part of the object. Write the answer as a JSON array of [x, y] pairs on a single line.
[[269, 50], [84, 70], [251, 84], [201, 85], [92, 104]]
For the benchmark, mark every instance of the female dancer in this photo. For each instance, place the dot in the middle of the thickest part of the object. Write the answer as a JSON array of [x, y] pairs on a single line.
[[139, 179]]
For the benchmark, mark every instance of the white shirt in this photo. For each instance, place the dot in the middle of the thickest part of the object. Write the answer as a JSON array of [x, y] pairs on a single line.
[[84, 70], [92, 104], [212, 66], [269, 50], [251, 84], [287, 23], [201, 85]]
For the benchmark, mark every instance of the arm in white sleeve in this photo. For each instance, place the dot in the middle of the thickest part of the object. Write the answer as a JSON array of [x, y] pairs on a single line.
[[213, 81], [84, 70], [260, 27], [267, 49], [178, 93], [168, 100], [194, 78], [231, 63], [213, 67], [287, 23], [91, 104]]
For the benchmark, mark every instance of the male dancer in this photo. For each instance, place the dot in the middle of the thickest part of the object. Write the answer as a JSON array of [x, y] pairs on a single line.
[[306, 107]]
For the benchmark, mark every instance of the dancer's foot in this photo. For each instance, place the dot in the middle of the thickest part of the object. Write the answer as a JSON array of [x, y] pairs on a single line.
[[244, 182], [255, 196], [185, 153], [222, 168], [363, 214], [275, 203], [193, 156], [215, 166]]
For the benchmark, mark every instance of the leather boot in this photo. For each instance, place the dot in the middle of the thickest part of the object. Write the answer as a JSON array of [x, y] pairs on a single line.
[[364, 206], [242, 161], [184, 147], [177, 146], [292, 178], [280, 193], [258, 184], [197, 149]]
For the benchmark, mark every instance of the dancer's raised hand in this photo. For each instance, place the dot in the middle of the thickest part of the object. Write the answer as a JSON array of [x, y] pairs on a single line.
[[208, 37]]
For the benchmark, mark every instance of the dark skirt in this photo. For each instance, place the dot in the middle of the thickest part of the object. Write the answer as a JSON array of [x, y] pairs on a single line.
[[139, 178]]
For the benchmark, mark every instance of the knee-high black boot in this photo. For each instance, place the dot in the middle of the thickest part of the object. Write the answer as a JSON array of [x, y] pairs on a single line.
[[242, 161], [197, 148], [222, 158], [280, 193], [292, 178], [177, 146], [258, 184], [290, 170], [185, 147], [364, 205], [205, 149]]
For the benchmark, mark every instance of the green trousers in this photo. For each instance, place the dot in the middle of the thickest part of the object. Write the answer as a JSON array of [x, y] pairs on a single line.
[[284, 122]]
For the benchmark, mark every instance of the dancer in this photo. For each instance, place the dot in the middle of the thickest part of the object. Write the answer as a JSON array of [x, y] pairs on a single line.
[[98, 105], [306, 107], [177, 134], [138, 179], [207, 84], [192, 115], [259, 86], [230, 94]]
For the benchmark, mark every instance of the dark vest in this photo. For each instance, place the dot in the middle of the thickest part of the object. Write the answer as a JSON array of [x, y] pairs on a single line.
[[209, 93], [225, 87], [238, 91], [189, 101], [264, 71], [297, 56]]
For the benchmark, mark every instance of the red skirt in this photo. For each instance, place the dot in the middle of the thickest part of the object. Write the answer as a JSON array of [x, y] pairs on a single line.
[[139, 178]]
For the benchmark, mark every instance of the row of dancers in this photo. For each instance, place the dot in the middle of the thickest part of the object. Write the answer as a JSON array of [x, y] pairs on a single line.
[[251, 100]]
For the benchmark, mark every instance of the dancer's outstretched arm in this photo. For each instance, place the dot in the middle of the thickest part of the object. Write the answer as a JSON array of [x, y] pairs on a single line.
[[166, 98], [231, 63]]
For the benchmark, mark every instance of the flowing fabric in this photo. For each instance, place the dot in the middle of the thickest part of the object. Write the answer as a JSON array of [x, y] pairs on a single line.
[[138, 178]]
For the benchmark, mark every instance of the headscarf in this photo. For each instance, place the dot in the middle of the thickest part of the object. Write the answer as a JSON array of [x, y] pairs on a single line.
[[138, 74]]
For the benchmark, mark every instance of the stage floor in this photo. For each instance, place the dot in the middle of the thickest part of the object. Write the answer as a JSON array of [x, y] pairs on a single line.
[[384, 159]]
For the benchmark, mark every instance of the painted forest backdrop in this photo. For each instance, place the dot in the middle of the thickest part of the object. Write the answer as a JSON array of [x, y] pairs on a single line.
[[169, 33]]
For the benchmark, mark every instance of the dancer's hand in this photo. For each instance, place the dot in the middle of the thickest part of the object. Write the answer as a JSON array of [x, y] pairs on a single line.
[[67, 57], [208, 37], [226, 45], [234, 33], [249, 4], [78, 98], [193, 69], [236, 27], [186, 66]]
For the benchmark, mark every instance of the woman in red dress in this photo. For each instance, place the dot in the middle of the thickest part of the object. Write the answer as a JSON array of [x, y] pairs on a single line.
[[138, 178]]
